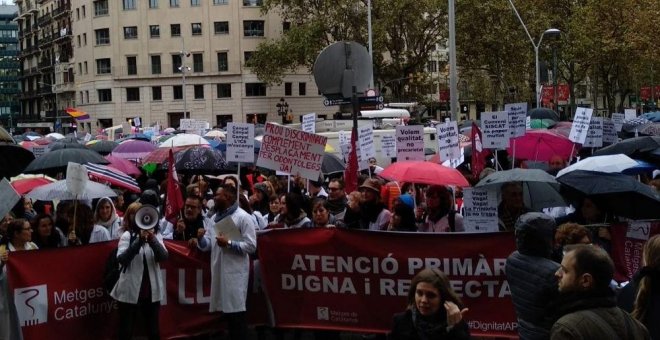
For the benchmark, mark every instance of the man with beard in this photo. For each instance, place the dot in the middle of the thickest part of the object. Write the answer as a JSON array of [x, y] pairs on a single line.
[[337, 201], [587, 307], [440, 215], [192, 226]]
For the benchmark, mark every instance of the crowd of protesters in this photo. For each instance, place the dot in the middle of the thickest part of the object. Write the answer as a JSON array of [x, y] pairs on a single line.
[[560, 275]]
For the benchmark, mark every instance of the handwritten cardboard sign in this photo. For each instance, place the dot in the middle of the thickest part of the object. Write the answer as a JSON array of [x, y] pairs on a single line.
[[409, 143], [495, 130], [580, 125], [240, 142], [517, 113], [448, 146]]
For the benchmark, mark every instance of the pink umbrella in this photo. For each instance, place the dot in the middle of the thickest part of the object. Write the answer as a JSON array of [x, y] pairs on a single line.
[[133, 149], [123, 165], [424, 173], [541, 145], [563, 128]]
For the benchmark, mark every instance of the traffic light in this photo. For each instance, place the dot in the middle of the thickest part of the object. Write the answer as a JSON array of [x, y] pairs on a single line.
[[465, 108]]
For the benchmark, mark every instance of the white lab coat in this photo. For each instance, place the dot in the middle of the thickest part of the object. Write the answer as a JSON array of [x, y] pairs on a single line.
[[230, 269], [127, 289]]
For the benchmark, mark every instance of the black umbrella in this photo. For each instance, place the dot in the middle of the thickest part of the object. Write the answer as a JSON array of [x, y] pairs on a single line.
[[200, 160], [65, 145], [543, 113], [332, 164], [616, 193], [58, 160], [631, 146], [104, 147], [14, 159]]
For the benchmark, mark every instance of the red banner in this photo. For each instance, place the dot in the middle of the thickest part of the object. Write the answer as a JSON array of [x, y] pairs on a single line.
[[356, 280], [627, 251], [645, 93], [444, 95], [548, 93]]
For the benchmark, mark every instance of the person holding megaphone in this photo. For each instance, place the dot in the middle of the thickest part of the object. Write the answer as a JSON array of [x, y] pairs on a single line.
[[140, 285]]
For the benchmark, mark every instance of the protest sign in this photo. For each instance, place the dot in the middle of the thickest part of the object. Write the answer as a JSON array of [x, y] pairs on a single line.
[[580, 125], [137, 122], [517, 113], [609, 132], [410, 143], [240, 142], [495, 130], [366, 147], [595, 133], [627, 245], [630, 114], [292, 151], [9, 197], [39, 150], [617, 119], [309, 122], [528, 123], [76, 178], [448, 146], [126, 128], [480, 210], [345, 144], [388, 145]]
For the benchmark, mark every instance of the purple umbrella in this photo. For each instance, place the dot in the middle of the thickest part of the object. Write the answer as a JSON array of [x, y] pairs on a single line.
[[133, 149]]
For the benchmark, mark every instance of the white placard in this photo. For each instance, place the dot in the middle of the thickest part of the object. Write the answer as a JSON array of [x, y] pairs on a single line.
[[528, 123], [595, 133], [495, 130], [448, 147], [9, 197], [609, 132], [88, 137], [126, 128], [292, 151], [617, 120], [366, 143], [480, 210], [344, 144], [76, 178], [517, 113], [388, 145], [240, 142], [630, 114], [580, 125], [309, 122], [409, 143], [137, 122], [39, 150]]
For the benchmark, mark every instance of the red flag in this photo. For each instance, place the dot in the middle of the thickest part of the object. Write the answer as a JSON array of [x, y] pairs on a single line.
[[174, 202], [478, 161], [351, 172]]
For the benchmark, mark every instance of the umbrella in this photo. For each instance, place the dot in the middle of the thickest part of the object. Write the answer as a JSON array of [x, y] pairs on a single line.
[[543, 113], [650, 129], [215, 134], [184, 139], [137, 136], [59, 191], [5, 136], [55, 135], [123, 165], [541, 145], [160, 155], [540, 189], [25, 185], [617, 193], [652, 116], [14, 159], [169, 130], [58, 160], [542, 123], [59, 145], [332, 164], [103, 147], [27, 144], [133, 149], [105, 174], [607, 163], [42, 141], [631, 146], [641, 167], [200, 160], [424, 173], [563, 128]]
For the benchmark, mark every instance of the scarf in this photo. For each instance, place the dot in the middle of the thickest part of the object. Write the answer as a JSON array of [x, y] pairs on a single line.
[[293, 221], [336, 206], [429, 327], [221, 215]]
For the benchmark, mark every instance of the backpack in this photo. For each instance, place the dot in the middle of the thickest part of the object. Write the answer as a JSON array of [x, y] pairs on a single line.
[[113, 269]]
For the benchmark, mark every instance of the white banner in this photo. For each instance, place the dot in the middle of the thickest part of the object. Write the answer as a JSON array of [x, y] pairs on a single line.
[[495, 130], [580, 125], [480, 210], [240, 142], [517, 114], [595, 133], [448, 147], [410, 143]]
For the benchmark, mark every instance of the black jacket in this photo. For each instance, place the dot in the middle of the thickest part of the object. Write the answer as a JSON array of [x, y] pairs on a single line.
[[403, 328], [626, 301]]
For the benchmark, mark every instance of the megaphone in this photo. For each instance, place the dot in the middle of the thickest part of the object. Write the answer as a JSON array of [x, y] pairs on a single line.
[[146, 217]]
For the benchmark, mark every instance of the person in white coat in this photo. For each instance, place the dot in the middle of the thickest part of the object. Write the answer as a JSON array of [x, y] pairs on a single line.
[[106, 216], [140, 286], [230, 260]]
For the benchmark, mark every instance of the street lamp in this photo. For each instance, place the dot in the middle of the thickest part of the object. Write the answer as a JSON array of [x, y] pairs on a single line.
[[551, 32], [282, 109]]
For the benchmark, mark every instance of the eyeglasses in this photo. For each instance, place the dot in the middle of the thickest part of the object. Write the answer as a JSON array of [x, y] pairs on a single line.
[[333, 189]]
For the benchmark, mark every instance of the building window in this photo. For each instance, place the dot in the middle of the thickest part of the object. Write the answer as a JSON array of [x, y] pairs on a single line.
[[86, 69], [287, 89], [80, 68], [77, 13], [194, 3], [196, 28], [199, 91], [87, 97], [102, 36], [222, 120], [132, 94], [129, 4], [155, 64], [105, 95], [176, 63], [175, 29], [156, 93], [198, 62], [100, 7], [103, 66], [130, 32], [84, 39], [302, 89], [131, 65], [153, 3], [286, 26], [174, 3], [223, 63], [84, 12], [224, 90], [177, 92], [247, 56], [255, 90], [78, 37], [253, 3], [220, 2], [253, 28], [154, 31], [221, 27], [432, 66]]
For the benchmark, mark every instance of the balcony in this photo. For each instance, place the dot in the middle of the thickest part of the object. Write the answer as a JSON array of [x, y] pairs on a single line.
[[61, 11], [45, 64], [66, 87], [44, 19], [64, 34], [45, 90], [45, 41]]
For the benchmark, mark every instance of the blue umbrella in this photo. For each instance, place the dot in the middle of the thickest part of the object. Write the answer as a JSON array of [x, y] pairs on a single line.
[[652, 116], [641, 167]]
